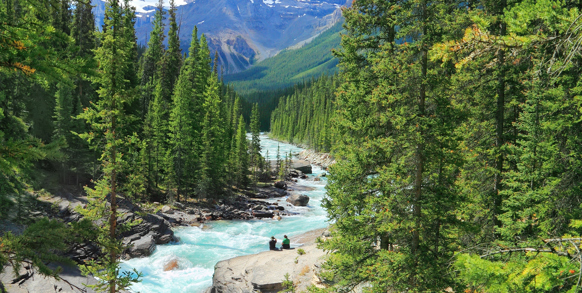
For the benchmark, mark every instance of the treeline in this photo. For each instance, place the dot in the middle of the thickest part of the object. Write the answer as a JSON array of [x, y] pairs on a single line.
[[304, 117], [268, 101], [80, 106], [458, 139]]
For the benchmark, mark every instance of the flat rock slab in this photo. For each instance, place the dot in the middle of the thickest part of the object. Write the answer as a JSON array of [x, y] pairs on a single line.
[[265, 271], [41, 284]]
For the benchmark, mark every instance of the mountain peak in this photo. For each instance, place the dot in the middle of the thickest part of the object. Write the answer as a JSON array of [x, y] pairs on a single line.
[[242, 31]]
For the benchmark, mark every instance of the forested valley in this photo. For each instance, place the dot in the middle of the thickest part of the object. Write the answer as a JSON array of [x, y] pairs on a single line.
[[456, 127], [82, 106]]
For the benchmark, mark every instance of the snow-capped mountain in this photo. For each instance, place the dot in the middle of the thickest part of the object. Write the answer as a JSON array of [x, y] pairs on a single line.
[[242, 31]]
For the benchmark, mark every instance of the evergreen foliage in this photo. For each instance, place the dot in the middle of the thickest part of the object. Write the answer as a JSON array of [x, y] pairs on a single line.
[[455, 131], [241, 155], [305, 116], [107, 119], [255, 159], [78, 108]]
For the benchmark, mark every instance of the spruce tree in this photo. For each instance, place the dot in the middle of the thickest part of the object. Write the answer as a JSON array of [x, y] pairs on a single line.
[[64, 126], [255, 147], [213, 144], [107, 119], [394, 181], [152, 60], [185, 125], [172, 56], [242, 156]]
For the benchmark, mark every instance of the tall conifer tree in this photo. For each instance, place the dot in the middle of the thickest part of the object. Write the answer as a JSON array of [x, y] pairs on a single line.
[[184, 125], [255, 146], [107, 119], [242, 156]]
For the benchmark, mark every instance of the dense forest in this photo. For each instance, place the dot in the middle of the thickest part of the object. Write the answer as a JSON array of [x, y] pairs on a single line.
[[457, 134], [85, 106], [456, 127], [304, 117]]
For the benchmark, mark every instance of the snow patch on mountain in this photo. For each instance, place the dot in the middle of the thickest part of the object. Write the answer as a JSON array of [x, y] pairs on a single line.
[[147, 6]]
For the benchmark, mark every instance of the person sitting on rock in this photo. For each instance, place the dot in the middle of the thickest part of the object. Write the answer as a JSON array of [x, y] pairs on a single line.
[[286, 243], [272, 243]]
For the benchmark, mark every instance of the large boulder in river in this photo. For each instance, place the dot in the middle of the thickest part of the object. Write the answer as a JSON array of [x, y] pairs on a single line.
[[301, 165], [298, 200], [142, 247]]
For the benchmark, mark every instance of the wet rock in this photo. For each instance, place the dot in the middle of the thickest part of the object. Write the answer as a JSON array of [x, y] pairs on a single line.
[[298, 199], [261, 195], [165, 238], [301, 165], [262, 214], [142, 247], [281, 184], [171, 265], [316, 179]]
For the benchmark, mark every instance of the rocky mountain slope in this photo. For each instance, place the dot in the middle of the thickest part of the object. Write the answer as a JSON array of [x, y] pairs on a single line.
[[291, 66], [242, 31]]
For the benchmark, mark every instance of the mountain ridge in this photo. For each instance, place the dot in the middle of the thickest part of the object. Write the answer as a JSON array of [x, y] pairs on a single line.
[[290, 66], [243, 32]]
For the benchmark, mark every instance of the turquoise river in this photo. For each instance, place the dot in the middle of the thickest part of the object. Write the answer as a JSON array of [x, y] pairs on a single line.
[[200, 248]]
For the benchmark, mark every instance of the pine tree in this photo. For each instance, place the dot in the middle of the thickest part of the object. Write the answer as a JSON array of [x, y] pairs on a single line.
[[107, 118], [173, 56], [185, 125], [394, 181], [242, 156], [157, 120], [152, 60], [212, 159], [255, 147], [64, 125], [278, 162]]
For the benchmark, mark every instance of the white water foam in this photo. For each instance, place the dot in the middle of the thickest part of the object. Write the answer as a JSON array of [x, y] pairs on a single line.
[[200, 249]]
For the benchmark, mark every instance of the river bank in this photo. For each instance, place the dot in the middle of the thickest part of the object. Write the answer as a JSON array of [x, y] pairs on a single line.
[[265, 271], [201, 248], [196, 235], [323, 160]]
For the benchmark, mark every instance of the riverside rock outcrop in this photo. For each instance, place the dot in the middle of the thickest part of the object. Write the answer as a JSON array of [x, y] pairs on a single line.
[[30, 280], [265, 271], [321, 159], [302, 165]]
